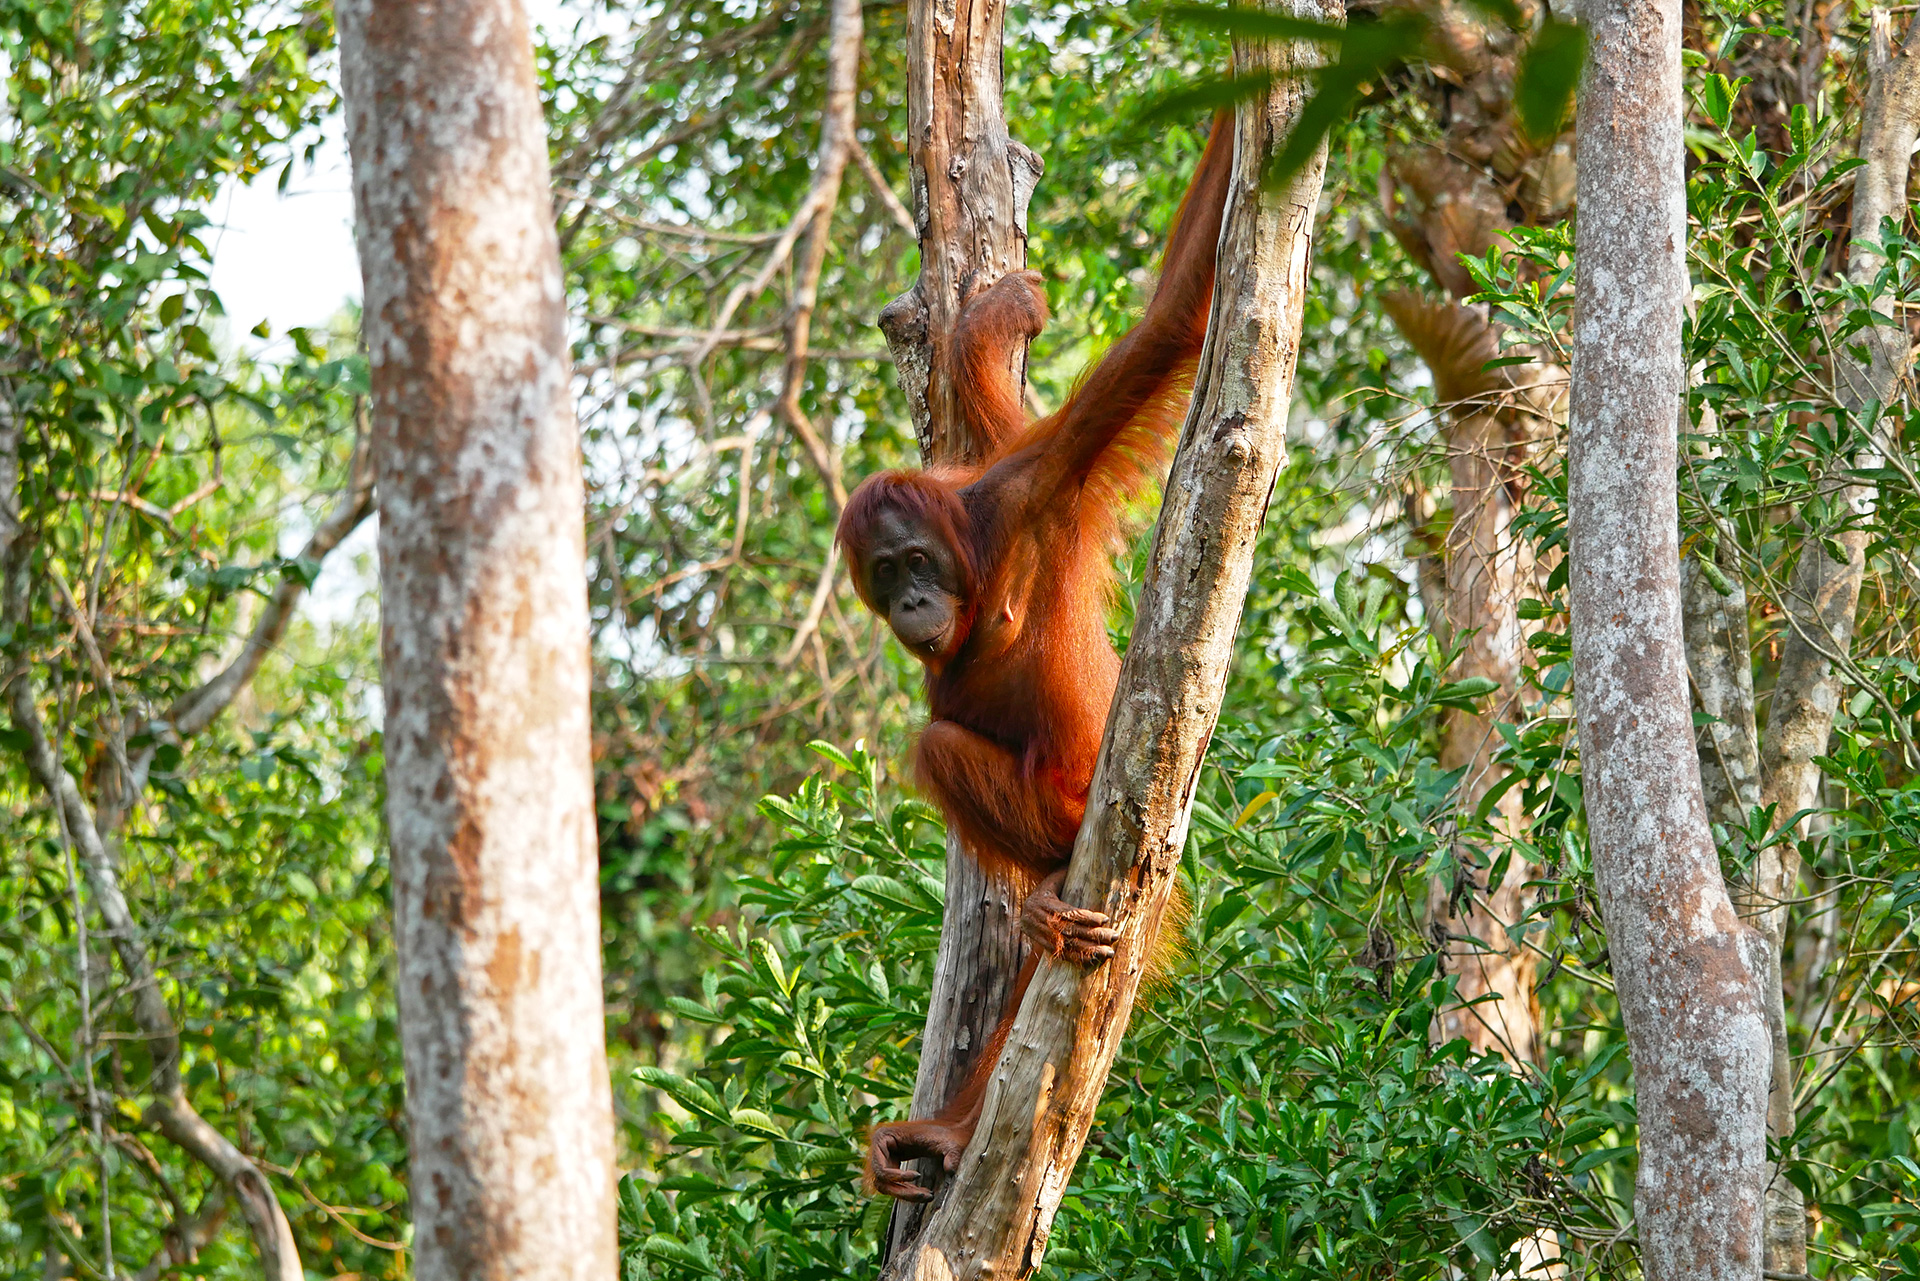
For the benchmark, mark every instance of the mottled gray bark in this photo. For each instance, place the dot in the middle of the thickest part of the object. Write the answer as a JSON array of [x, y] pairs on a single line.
[[971, 187], [1686, 970], [1720, 663], [998, 1209], [484, 645]]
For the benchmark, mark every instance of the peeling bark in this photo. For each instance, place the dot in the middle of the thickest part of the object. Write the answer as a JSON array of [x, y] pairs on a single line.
[[1686, 970], [971, 187], [998, 1209], [484, 645]]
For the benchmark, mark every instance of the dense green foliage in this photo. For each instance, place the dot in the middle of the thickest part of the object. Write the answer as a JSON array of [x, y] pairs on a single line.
[[1281, 1109]]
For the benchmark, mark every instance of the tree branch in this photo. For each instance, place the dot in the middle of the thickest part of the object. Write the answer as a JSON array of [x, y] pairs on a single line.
[[170, 1112], [836, 146], [881, 190], [194, 711]]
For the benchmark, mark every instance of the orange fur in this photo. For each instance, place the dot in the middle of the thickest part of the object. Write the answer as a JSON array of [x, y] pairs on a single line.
[[1019, 703]]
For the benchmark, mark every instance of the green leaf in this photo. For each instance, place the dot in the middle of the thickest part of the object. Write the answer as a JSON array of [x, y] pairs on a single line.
[[1714, 576], [821, 748], [1464, 693], [754, 1121], [1546, 78], [1717, 98], [1593, 1160], [672, 1249]]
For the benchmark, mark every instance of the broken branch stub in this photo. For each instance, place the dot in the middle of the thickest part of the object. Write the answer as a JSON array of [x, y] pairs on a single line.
[[995, 1218]]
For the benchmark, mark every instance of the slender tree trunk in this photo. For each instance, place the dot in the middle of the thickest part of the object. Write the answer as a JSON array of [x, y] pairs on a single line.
[[1687, 971], [1040, 1104], [971, 187], [845, 31], [92, 830], [1739, 768], [1443, 198], [1720, 662], [484, 645]]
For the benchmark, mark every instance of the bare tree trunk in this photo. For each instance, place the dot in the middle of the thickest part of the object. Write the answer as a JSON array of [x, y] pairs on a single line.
[[971, 187], [1720, 663], [1444, 198], [1687, 971], [484, 645], [997, 1215], [1822, 603]]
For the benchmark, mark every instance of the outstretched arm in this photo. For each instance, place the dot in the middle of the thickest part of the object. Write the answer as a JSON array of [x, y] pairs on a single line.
[[988, 355], [1138, 382]]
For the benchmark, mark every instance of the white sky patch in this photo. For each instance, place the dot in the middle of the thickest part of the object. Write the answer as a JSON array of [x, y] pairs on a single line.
[[286, 257]]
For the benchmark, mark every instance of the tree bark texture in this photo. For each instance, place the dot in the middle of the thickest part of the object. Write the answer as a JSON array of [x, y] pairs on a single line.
[[484, 645], [1686, 970], [971, 187], [1720, 663], [999, 1208]]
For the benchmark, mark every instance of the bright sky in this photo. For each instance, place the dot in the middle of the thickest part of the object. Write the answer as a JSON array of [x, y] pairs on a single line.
[[287, 258]]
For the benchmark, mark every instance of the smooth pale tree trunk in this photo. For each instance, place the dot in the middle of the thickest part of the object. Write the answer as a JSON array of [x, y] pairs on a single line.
[[998, 1210], [1686, 970], [484, 645], [971, 187]]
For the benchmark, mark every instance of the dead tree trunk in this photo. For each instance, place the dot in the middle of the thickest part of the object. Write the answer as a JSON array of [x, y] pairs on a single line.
[[484, 645], [994, 1220], [971, 187], [1686, 969]]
